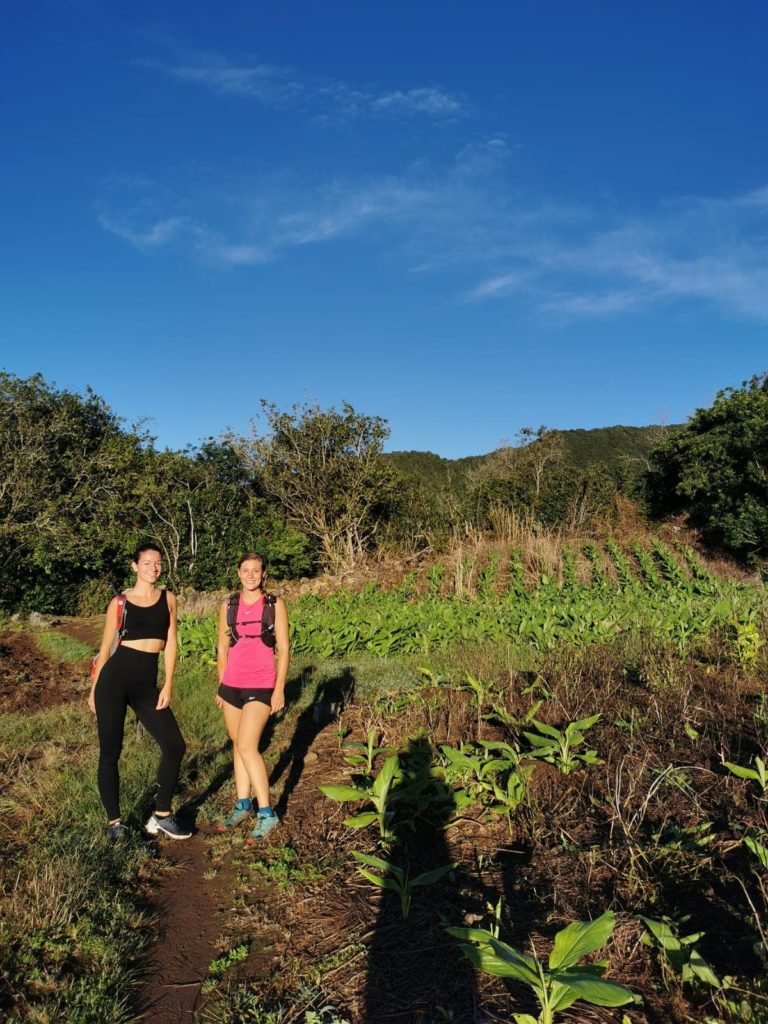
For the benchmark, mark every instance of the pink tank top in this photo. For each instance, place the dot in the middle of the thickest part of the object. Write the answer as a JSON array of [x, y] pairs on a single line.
[[250, 663]]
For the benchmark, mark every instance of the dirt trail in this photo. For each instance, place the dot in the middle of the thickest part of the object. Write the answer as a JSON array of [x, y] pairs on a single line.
[[199, 917], [190, 907]]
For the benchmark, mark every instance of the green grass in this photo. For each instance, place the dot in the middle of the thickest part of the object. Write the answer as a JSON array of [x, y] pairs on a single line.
[[63, 647]]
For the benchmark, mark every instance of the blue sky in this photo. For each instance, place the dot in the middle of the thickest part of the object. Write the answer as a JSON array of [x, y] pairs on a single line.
[[464, 217]]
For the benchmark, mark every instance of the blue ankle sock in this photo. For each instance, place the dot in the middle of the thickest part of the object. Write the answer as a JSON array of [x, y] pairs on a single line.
[[244, 804], [266, 812]]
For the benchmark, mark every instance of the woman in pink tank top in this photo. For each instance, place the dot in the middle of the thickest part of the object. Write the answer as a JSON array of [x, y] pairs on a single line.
[[251, 687]]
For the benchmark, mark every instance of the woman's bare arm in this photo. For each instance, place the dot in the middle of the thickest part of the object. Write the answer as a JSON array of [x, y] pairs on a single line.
[[169, 657], [110, 627]]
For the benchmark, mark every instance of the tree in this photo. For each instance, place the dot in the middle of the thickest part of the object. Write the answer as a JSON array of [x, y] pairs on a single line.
[[715, 470], [67, 472], [326, 470]]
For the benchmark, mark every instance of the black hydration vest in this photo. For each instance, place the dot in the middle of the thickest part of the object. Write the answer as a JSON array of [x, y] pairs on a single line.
[[267, 635]]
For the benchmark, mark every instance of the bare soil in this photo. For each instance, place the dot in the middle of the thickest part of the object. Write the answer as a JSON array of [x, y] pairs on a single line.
[[31, 680]]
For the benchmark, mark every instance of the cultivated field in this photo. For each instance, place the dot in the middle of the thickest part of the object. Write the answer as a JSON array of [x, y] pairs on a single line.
[[470, 763]]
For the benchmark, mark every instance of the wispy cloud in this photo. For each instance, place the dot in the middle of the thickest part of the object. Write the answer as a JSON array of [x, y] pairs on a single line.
[[693, 248], [561, 261], [327, 100]]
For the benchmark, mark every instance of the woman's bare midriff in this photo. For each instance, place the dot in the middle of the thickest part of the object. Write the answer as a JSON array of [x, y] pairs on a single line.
[[148, 646]]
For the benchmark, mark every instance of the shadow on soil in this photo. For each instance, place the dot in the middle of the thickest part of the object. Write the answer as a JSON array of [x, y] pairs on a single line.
[[416, 972], [330, 697]]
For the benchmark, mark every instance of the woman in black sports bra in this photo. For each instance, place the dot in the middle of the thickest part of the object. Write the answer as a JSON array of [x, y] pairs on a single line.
[[129, 678]]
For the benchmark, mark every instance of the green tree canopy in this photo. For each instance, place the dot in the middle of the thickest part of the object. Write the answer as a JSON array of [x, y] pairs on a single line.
[[715, 470], [325, 469]]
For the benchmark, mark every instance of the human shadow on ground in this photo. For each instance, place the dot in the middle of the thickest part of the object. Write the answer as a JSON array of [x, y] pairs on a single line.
[[416, 971], [329, 699]]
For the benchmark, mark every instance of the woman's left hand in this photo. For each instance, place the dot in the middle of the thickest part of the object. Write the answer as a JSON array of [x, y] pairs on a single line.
[[278, 702], [164, 697]]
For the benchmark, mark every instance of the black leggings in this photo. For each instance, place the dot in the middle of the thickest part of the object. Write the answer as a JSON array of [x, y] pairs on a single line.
[[130, 678]]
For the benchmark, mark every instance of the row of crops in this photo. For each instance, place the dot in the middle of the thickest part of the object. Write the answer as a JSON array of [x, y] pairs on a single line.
[[671, 598]]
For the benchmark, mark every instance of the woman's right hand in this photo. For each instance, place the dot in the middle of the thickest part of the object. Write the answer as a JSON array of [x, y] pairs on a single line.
[[92, 700]]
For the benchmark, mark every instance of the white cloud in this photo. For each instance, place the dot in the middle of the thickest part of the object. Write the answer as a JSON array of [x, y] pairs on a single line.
[[327, 100], [425, 100]]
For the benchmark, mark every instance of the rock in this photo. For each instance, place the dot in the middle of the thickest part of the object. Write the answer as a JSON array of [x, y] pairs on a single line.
[[311, 757], [36, 619], [470, 919]]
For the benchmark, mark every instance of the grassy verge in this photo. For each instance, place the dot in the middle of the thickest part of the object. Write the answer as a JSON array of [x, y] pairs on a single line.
[[63, 647]]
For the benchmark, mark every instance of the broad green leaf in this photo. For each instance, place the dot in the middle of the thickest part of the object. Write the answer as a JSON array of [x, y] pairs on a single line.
[[580, 938], [547, 730], [375, 879], [430, 877], [759, 850], [361, 820], [343, 793], [489, 963], [702, 970], [386, 774], [594, 990], [374, 862], [741, 771], [662, 932], [513, 956], [480, 935], [540, 741], [524, 1018], [586, 723]]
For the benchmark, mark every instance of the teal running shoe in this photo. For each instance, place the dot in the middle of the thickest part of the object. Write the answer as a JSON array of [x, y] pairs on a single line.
[[238, 815], [265, 823]]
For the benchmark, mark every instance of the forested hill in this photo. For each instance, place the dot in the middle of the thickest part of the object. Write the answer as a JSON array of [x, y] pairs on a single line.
[[611, 446]]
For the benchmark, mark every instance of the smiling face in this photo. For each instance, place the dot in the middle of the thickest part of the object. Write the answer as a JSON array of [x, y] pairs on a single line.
[[251, 573], [148, 567]]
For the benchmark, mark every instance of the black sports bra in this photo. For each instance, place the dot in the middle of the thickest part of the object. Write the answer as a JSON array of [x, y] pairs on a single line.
[[147, 623]]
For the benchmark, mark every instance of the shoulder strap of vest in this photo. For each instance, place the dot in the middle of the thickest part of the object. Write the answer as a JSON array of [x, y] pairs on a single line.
[[232, 604], [268, 612], [122, 611]]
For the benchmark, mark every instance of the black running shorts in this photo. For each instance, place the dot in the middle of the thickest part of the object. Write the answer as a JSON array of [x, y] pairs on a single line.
[[238, 698]]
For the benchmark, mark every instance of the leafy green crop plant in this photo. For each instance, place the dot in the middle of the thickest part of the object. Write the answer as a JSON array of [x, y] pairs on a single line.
[[757, 774], [680, 953], [757, 843], [379, 794], [562, 981], [368, 751], [397, 879], [558, 746]]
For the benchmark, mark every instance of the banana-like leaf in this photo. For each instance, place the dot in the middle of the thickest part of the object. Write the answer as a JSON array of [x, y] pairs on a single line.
[[580, 938], [586, 723], [489, 963], [742, 771], [479, 935], [430, 877], [343, 793], [546, 730], [361, 820], [662, 932], [594, 990], [376, 862]]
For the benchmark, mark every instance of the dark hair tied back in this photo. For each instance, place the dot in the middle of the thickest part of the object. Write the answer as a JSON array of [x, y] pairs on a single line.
[[145, 547]]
